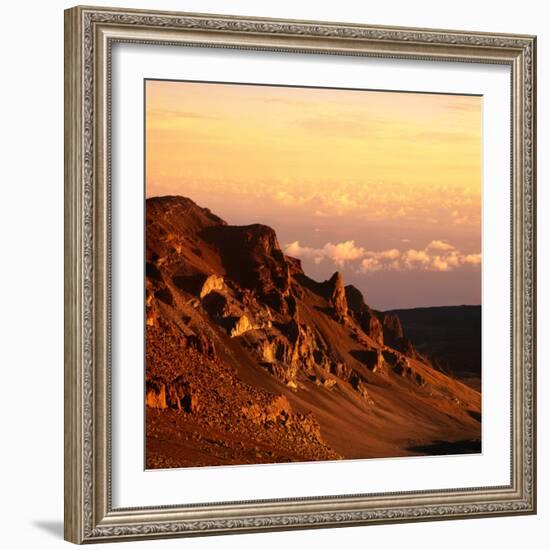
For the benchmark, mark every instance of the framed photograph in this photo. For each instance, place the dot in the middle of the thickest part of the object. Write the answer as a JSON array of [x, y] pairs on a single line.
[[300, 274]]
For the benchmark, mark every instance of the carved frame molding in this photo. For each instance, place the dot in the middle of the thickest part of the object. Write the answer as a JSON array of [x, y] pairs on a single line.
[[89, 35]]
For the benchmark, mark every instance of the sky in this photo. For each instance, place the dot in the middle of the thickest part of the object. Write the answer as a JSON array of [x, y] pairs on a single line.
[[384, 187]]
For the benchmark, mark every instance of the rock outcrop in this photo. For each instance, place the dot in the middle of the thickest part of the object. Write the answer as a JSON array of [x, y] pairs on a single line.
[[242, 325], [364, 315], [337, 297], [255, 260], [176, 394], [211, 283], [393, 331]]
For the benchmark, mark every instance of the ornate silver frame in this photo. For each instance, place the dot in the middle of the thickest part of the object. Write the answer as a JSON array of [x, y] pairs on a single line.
[[89, 35]]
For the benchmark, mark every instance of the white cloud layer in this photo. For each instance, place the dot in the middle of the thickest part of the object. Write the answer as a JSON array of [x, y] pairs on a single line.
[[339, 253], [438, 255]]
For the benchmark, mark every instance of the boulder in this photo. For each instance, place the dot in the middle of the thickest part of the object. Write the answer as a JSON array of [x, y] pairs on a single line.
[[242, 325], [211, 283]]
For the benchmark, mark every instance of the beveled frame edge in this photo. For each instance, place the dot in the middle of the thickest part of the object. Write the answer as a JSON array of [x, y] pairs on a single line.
[[89, 32]]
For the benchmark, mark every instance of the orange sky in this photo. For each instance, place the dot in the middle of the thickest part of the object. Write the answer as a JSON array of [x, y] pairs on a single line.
[[380, 185]]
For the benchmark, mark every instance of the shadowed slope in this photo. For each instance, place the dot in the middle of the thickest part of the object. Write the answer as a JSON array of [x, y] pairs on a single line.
[[450, 336]]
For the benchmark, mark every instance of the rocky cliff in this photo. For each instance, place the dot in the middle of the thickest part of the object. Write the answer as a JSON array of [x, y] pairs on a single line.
[[249, 360]]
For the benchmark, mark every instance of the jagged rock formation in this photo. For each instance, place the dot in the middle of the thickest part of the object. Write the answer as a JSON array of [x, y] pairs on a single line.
[[337, 297], [364, 315], [249, 360]]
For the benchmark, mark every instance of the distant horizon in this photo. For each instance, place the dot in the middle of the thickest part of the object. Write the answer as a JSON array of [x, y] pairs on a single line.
[[433, 306], [384, 187], [430, 307]]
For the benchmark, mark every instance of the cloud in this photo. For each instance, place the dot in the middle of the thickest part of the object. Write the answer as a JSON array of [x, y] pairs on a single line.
[[297, 251], [439, 264], [339, 253], [369, 201], [440, 245], [391, 254], [473, 259], [437, 255], [371, 265], [458, 219], [412, 258], [454, 259], [343, 252]]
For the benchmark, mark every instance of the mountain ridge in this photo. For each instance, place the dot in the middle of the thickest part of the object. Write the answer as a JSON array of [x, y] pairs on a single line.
[[249, 360], [449, 336]]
